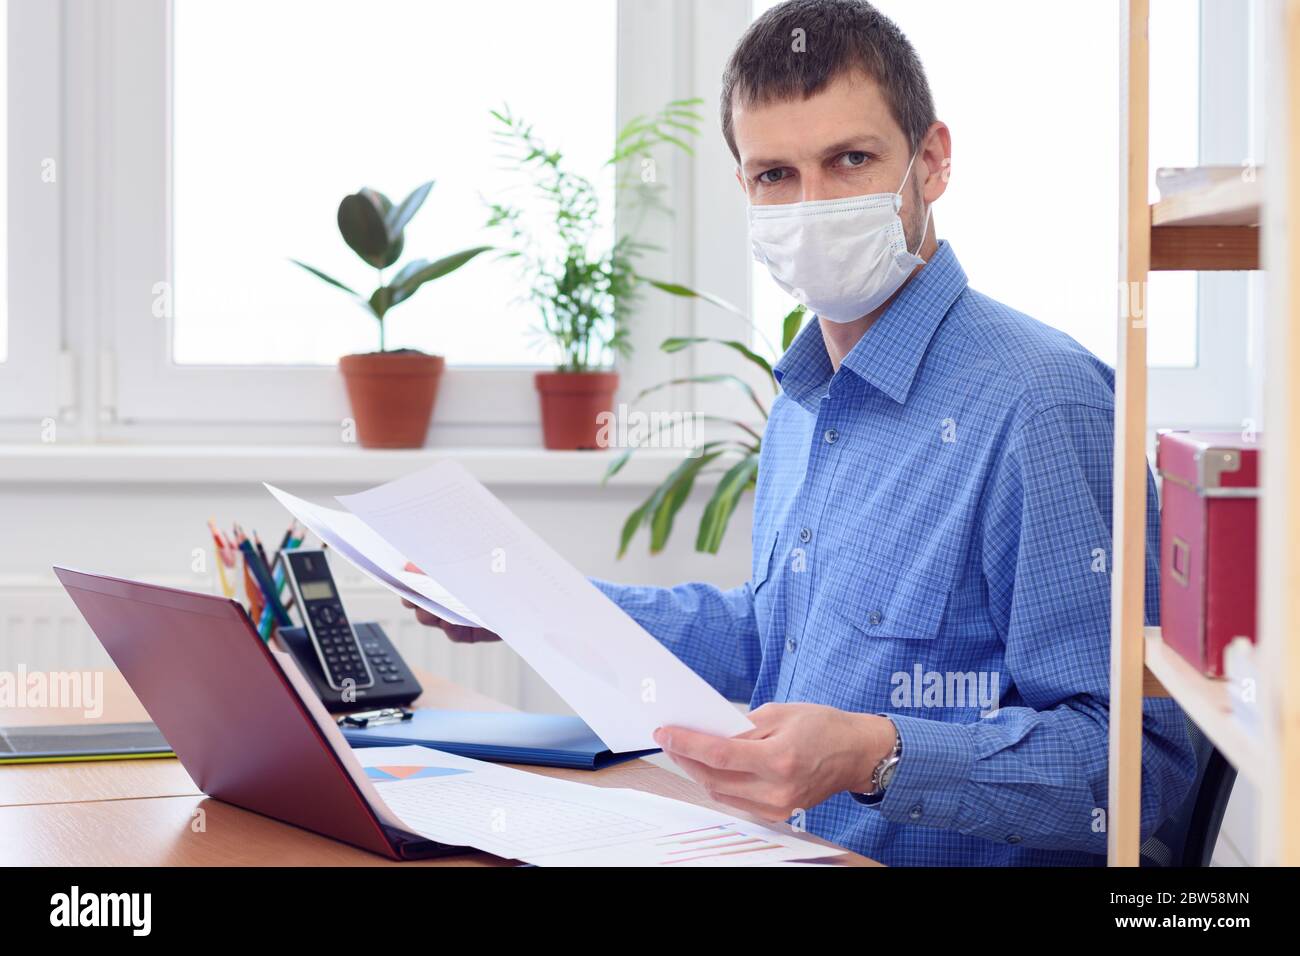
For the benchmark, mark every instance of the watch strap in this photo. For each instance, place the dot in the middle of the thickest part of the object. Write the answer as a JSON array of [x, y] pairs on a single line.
[[874, 797]]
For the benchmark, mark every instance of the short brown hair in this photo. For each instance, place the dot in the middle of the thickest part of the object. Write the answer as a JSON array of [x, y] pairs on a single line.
[[837, 36]]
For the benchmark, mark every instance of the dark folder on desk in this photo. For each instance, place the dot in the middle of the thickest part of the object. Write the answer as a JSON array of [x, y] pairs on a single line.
[[547, 740], [77, 742]]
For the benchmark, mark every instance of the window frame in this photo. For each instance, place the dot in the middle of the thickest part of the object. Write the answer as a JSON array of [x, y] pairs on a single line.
[[1216, 392], [33, 379]]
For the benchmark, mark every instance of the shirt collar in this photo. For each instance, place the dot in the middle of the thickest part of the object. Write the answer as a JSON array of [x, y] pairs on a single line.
[[891, 351]]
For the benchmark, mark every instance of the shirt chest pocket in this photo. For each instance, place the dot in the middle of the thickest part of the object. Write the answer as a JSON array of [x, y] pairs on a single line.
[[901, 603]]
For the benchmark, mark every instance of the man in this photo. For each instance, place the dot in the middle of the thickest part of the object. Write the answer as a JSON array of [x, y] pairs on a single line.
[[925, 635]]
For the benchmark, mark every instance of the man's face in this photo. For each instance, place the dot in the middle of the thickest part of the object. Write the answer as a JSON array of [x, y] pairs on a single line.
[[842, 141]]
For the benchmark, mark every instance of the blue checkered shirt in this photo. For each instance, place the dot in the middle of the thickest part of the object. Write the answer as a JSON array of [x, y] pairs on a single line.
[[932, 543]]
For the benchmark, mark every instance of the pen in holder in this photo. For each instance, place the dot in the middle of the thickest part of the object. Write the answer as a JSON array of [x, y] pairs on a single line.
[[226, 559], [266, 622], [256, 602], [264, 578], [263, 589]]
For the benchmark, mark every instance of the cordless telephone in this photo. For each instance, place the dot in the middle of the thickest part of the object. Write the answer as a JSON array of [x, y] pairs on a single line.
[[326, 623], [352, 666]]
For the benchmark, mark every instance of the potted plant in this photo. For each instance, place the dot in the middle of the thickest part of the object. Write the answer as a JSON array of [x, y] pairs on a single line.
[[583, 287], [735, 457], [391, 392]]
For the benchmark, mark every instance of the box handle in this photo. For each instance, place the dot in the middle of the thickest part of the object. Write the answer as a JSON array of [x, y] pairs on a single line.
[[1178, 562]]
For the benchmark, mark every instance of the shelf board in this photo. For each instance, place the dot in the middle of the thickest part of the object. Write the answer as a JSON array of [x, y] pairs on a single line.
[[1204, 248], [1229, 202], [1206, 702], [1214, 227]]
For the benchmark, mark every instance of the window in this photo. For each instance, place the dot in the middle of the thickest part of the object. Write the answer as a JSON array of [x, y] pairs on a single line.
[[1175, 131], [282, 107], [190, 149], [236, 128], [30, 206], [4, 182]]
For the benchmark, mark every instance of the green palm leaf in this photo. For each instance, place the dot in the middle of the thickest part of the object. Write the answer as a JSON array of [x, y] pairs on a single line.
[[718, 512], [790, 325], [722, 378], [669, 491], [681, 342]]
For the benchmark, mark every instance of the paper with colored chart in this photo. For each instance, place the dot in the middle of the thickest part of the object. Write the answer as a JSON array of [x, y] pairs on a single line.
[[608, 668], [550, 822]]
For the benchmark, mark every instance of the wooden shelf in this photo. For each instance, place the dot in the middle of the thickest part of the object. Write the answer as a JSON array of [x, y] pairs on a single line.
[[1230, 202], [1214, 224], [1207, 704], [1210, 228]]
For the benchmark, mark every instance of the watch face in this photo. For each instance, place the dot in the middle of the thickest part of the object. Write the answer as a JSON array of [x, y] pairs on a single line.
[[887, 775]]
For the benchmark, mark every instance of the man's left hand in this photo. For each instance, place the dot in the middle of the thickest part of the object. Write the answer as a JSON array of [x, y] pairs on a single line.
[[796, 756]]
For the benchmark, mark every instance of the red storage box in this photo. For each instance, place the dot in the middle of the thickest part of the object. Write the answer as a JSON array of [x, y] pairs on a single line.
[[1208, 530]]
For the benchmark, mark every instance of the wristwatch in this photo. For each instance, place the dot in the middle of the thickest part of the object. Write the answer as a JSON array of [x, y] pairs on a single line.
[[883, 775]]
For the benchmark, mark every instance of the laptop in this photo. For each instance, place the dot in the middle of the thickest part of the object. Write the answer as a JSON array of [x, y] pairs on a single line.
[[238, 714]]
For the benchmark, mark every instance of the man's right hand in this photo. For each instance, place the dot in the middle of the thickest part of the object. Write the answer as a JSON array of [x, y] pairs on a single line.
[[460, 633]]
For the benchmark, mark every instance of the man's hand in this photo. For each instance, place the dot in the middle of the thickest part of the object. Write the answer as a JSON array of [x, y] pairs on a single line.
[[796, 757], [460, 633]]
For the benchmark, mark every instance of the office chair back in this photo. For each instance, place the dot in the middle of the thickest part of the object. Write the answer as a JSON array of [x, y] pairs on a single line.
[[1188, 837]]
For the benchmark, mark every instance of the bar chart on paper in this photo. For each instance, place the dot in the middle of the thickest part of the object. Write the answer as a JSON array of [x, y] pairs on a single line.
[[719, 841], [722, 845]]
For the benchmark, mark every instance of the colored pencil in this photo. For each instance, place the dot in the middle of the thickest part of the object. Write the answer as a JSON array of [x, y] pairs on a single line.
[[263, 577], [224, 558]]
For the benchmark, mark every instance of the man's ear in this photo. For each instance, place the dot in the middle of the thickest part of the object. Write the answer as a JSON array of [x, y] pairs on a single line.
[[740, 181], [936, 157]]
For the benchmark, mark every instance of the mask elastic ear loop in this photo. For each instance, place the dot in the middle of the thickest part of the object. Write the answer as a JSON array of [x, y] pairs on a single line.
[[910, 163], [925, 228]]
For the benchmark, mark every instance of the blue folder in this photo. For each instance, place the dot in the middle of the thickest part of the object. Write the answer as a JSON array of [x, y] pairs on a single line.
[[547, 740]]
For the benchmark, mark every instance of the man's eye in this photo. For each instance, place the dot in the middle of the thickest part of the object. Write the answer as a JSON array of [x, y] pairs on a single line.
[[853, 159], [771, 176]]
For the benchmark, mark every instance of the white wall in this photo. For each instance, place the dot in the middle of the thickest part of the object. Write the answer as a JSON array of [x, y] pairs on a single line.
[[149, 530]]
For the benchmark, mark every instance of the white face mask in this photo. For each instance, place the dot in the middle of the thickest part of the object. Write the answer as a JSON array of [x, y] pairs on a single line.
[[842, 258]]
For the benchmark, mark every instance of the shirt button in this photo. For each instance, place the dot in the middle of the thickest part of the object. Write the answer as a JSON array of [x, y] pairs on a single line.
[[915, 812], [790, 644], [1014, 838], [831, 436], [805, 535], [874, 618]]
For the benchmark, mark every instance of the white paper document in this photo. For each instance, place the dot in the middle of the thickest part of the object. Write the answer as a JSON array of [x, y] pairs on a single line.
[[550, 822], [373, 556], [608, 668]]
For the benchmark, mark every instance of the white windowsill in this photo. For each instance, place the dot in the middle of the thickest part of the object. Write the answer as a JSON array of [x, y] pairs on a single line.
[[325, 465]]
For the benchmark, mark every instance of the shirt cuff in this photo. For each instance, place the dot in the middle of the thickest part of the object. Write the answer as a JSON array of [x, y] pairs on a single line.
[[932, 774]]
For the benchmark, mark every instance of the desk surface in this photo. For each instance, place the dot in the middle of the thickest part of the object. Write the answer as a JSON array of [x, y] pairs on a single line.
[[150, 813]]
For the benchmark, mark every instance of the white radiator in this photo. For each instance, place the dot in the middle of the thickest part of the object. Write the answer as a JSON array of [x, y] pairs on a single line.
[[41, 630]]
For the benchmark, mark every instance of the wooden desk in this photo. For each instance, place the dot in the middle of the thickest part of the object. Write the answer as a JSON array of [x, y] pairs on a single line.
[[150, 813]]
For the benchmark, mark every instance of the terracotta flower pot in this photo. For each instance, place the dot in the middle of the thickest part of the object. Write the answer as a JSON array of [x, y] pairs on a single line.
[[571, 402], [392, 396]]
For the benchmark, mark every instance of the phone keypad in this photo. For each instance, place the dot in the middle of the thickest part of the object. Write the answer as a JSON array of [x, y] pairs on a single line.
[[383, 666], [338, 645]]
